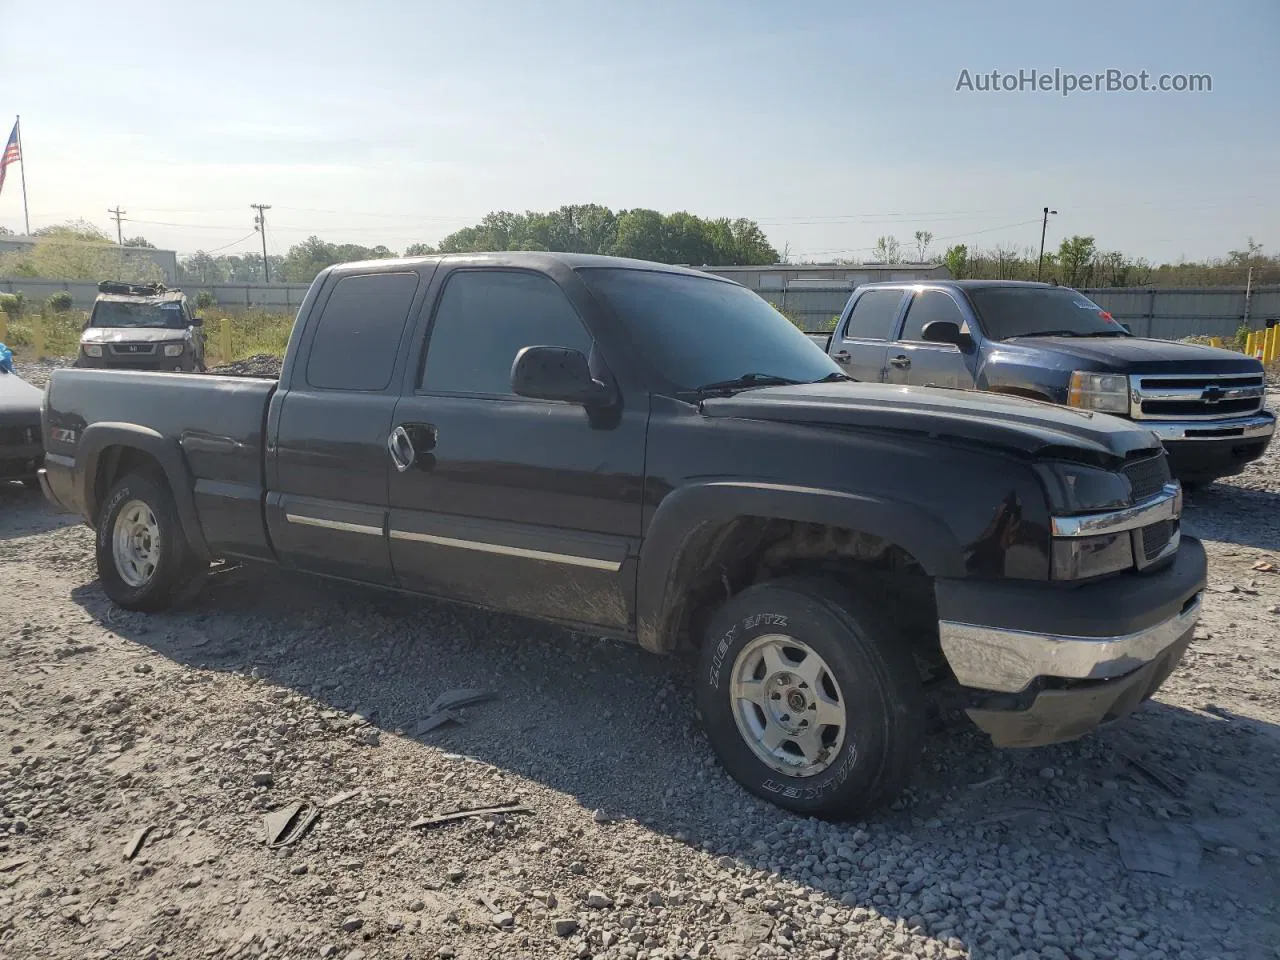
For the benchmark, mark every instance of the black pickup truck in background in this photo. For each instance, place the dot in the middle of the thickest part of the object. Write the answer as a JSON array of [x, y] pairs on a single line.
[[655, 454], [1055, 344]]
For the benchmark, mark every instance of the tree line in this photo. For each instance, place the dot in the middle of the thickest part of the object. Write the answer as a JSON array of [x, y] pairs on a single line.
[[80, 251], [1078, 261]]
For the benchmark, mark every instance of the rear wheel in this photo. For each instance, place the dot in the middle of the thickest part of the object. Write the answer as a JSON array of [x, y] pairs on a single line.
[[144, 559], [810, 699]]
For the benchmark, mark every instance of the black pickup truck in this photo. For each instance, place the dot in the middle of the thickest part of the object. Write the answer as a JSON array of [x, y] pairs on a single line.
[[654, 453], [1053, 343]]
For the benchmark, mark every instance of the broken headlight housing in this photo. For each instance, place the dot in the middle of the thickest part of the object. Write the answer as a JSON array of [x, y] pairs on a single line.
[[1077, 488]]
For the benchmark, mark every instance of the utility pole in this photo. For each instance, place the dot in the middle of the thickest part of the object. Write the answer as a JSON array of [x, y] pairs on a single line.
[[118, 214], [1044, 225], [260, 224]]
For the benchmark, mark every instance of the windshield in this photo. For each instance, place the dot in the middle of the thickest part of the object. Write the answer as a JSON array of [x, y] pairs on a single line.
[[1008, 312], [697, 331], [117, 313]]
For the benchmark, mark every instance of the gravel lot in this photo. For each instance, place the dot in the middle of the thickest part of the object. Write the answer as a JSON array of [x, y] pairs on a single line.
[[1158, 838]]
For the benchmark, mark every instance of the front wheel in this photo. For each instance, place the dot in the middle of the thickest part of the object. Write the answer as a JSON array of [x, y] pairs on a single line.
[[810, 699], [144, 559]]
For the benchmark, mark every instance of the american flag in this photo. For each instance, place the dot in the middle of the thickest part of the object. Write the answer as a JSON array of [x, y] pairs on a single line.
[[12, 154]]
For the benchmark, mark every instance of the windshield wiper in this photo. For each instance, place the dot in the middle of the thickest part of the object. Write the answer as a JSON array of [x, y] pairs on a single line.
[[1046, 333], [834, 378], [747, 380]]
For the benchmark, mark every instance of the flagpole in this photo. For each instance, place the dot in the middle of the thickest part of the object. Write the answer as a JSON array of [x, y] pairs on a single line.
[[22, 159]]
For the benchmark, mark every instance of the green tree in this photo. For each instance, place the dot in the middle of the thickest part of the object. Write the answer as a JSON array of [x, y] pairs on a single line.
[[419, 250], [1076, 257], [305, 260], [887, 250], [923, 239], [640, 235], [139, 241], [956, 260]]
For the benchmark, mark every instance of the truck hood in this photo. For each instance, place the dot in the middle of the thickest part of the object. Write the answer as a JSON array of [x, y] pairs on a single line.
[[132, 334], [1129, 355], [19, 401], [990, 420]]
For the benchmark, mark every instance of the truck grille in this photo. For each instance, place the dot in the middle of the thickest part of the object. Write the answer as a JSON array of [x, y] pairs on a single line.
[[133, 349], [1156, 537], [1195, 396], [1148, 476]]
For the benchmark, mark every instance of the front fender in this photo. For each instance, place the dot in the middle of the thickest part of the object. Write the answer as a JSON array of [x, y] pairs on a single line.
[[100, 437], [666, 564]]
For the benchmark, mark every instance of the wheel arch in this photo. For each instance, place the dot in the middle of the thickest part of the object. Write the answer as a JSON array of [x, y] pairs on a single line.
[[697, 524], [109, 450]]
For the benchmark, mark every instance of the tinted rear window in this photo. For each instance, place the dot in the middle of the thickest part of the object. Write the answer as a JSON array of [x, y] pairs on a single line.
[[873, 315], [1007, 312], [358, 336]]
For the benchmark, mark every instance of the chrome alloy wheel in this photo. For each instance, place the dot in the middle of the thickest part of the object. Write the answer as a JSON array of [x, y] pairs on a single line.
[[135, 543], [788, 706]]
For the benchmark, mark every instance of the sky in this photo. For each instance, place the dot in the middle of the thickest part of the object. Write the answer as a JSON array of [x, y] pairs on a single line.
[[829, 123]]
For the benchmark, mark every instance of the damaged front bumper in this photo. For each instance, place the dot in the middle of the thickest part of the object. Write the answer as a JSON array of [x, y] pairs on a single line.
[[1051, 664]]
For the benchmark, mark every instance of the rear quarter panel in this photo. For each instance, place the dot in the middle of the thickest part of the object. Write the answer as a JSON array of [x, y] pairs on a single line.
[[207, 433]]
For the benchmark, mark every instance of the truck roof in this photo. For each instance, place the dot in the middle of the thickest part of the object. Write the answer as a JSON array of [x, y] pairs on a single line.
[[530, 259], [169, 296], [959, 284]]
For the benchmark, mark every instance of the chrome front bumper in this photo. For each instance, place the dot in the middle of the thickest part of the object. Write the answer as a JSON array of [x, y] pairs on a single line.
[[1008, 661], [1254, 427]]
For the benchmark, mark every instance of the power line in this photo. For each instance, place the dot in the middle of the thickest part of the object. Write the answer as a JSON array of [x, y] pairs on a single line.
[[232, 243], [260, 224]]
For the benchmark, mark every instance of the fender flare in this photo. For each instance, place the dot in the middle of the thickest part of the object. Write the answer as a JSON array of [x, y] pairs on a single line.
[[685, 515], [166, 451]]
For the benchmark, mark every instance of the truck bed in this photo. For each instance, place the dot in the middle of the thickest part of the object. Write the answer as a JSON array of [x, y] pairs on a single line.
[[219, 423]]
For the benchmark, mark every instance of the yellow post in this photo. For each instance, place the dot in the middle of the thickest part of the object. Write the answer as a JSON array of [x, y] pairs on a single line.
[[4, 327], [1248, 344], [224, 339], [1272, 349], [1215, 341], [37, 336]]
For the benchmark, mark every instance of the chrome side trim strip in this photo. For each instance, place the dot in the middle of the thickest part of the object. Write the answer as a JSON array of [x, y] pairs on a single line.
[[612, 566], [333, 524], [1165, 505], [1006, 661]]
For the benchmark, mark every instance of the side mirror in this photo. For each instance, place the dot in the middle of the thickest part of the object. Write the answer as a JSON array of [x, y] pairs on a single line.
[[197, 321], [946, 331], [556, 373]]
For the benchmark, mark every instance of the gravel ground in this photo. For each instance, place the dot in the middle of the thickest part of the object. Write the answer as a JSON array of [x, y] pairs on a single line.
[[193, 725]]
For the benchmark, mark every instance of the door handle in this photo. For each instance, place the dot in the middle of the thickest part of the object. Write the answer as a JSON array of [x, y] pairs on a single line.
[[841, 357], [900, 362], [401, 449]]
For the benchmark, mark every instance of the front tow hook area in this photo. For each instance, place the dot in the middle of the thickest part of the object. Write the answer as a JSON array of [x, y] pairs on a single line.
[[1064, 710]]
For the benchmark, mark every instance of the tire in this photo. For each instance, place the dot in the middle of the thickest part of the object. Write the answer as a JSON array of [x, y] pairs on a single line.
[[158, 568], [862, 668]]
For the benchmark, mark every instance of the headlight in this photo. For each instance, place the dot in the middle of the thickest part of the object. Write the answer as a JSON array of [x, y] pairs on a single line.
[[1077, 558], [1075, 488], [173, 349], [1104, 392], [93, 349]]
